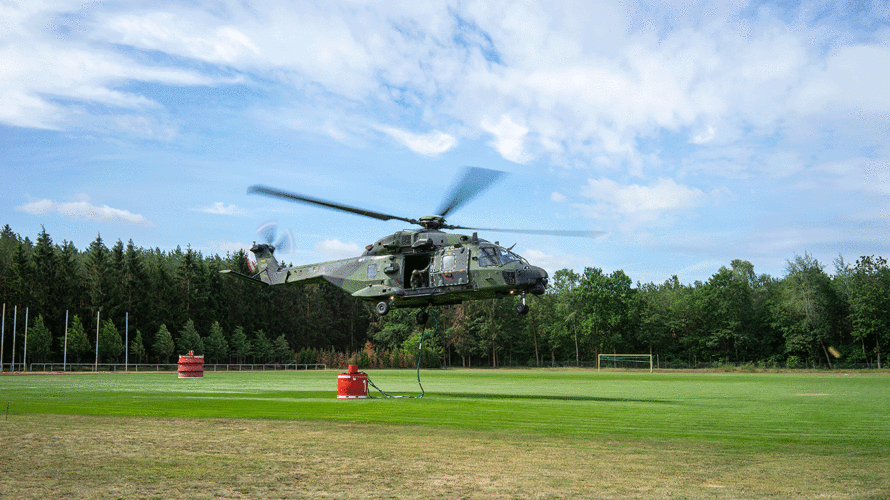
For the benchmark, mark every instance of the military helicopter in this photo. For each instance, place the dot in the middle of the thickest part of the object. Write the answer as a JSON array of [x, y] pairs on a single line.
[[417, 267]]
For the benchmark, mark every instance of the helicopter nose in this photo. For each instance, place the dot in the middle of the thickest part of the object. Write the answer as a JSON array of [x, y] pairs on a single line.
[[532, 278]]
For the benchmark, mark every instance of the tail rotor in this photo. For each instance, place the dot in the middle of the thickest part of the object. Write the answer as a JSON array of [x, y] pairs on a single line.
[[263, 260], [282, 241]]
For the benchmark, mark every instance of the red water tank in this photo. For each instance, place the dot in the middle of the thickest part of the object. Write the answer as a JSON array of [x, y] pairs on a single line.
[[191, 366], [352, 385]]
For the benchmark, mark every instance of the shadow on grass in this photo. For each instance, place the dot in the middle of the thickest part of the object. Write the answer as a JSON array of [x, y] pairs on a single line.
[[470, 395]]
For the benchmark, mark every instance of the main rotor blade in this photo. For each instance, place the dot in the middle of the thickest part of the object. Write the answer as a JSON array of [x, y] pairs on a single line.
[[545, 232], [474, 181], [324, 203]]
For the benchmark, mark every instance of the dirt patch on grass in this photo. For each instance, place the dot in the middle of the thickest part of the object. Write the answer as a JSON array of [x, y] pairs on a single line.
[[62, 456]]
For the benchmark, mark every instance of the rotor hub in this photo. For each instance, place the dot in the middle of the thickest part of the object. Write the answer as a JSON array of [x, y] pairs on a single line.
[[432, 222]]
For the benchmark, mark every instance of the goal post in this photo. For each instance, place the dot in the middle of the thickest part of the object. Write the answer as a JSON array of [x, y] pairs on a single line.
[[625, 358]]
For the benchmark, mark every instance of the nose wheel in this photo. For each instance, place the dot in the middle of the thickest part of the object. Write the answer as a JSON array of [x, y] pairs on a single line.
[[522, 307]]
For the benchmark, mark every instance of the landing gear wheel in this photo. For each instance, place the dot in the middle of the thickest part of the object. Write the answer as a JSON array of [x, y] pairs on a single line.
[[382, 308], [522, 309], [422, 317]]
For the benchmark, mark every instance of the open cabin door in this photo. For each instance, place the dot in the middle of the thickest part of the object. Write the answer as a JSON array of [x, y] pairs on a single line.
[[451, 267]]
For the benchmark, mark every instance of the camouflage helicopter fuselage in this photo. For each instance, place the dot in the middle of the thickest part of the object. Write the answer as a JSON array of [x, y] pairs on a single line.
[[415, 268]]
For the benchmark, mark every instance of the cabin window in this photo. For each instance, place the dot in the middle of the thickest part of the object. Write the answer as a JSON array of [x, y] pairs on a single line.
[[447, 263], [372, 271]]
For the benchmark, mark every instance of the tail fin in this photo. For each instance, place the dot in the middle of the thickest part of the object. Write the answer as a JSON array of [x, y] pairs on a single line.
[[266, 263]]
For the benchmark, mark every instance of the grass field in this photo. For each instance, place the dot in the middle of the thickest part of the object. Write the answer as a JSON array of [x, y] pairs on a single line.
[[475, 434]]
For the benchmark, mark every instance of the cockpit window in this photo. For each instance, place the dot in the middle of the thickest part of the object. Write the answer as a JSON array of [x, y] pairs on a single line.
[[497, 256], [508, 256], [488, 257]]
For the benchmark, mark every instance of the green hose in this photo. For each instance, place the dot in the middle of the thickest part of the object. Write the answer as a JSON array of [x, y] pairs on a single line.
[[419, 358]]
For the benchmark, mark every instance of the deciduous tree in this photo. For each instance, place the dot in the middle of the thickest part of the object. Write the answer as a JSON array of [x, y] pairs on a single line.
[[871, 304]]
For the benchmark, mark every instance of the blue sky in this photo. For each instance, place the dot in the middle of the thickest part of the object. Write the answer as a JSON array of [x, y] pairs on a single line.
[[691, 134]]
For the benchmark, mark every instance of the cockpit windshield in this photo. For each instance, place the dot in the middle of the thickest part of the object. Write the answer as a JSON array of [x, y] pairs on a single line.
[[490, 256]]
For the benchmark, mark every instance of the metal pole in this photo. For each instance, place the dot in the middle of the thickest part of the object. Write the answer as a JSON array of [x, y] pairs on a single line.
[[127, 342], [25, 349], [65, 349], [2, 336], [15, 324], [96, 366]]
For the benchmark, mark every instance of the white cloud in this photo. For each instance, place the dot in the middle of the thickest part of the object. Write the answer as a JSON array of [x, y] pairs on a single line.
[[702, 268], [220, 208], [557, 197], [58, 66], [636, 204], [194, 35], [586, 81], [509, 138], [334, 249], [852, 76], [84, 210], [431, 144], [705, 135], [552, 262]]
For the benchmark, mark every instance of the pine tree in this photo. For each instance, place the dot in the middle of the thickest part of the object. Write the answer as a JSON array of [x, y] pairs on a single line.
[[135, 289], [113, 304], [45, 267], [137, 348], [240, 347], [261, 348], [163, 346], [189, 340], [68, 283], [215, 345], [282, 352], [97, 272], [39, 342], [78, 342], [111, 345], [22, 273]]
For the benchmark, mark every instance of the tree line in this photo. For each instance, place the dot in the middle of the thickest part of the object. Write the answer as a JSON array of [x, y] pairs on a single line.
[[172, 302]]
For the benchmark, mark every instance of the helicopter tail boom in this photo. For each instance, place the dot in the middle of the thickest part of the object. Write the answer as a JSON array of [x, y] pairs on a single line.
[[243, 276]]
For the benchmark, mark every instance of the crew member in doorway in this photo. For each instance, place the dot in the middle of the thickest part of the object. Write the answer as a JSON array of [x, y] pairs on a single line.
[[417, 277]]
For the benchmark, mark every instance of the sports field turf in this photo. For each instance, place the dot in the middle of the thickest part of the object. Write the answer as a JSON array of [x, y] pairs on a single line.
[[475, 434]]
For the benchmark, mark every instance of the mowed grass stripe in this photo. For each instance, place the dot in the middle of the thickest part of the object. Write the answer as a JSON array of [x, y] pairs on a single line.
[[821, 411]]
